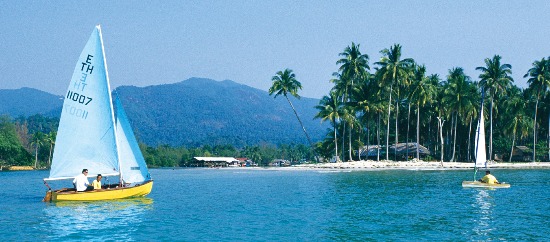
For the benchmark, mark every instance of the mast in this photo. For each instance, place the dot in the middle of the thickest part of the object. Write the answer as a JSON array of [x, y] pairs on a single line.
[[110, 100]]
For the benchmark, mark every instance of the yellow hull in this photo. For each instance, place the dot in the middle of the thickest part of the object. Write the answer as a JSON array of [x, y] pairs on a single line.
[[484, 185], [102, 194]]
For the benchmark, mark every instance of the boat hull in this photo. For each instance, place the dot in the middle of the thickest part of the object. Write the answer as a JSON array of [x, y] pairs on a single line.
[[484, 185], [101, 194]]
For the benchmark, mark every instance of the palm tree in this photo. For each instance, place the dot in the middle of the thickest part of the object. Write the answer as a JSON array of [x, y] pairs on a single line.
[[285, 83], [392, 69], [37, 140], [456, 97], [368, 102], [422, 92], [539, 81], [496, 78], [354, 66], [330, 108], [515, 110], [50, 138]]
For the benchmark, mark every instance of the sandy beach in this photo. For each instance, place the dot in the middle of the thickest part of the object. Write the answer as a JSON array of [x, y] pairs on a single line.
[[419, 165]]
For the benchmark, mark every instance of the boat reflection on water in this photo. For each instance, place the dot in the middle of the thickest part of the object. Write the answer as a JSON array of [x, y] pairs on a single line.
[[484, 204], [96, 220]]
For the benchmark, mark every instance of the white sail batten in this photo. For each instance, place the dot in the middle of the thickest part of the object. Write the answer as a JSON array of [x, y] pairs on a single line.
[[86, 133], [132, 162]]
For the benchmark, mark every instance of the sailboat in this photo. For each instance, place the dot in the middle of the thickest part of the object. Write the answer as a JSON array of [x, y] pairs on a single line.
[[481, 154], [91, 137]]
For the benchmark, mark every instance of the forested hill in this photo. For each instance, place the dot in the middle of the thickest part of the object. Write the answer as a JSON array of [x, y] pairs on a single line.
[[29, 101], [193, 112], [203, 111]]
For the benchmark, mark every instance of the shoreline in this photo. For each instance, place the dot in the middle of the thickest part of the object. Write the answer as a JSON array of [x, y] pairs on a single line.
[[369, 165], [420, 165]]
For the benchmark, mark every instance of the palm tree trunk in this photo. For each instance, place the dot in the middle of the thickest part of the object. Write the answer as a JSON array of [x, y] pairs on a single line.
[[408, 121], [335, 141], [349, 145], [35, 156], [378, 138], [454, 141], [303, 128], [396, 120], [513, 142], [417, 131], [50, 157], [469, 139], [388, 131], [491, 135], [343, 141], [535, 129], [441, 136]]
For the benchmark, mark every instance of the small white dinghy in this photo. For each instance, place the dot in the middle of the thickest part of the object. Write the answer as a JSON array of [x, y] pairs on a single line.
[[481, 155]]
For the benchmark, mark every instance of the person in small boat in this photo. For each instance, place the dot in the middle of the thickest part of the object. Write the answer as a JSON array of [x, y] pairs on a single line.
[[81, 182], [97, 182], [489, 179]]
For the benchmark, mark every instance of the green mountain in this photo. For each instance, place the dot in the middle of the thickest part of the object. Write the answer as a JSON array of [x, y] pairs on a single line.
[[194, 112], [29, 101], [203, 111]]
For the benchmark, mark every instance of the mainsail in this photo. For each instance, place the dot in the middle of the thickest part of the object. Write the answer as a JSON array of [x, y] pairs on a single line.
[[86, 132], [481, 155], [132, 163]]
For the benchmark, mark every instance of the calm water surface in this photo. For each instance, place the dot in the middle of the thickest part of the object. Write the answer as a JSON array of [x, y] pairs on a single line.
[[289, 205]]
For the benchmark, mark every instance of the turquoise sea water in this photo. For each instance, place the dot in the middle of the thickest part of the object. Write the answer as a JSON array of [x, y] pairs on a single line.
[[284, 205]]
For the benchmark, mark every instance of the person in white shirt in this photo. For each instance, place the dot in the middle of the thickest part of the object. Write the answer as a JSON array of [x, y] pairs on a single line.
[[81, 182]]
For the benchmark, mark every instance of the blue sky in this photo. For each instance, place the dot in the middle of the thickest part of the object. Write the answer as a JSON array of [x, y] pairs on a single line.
[[249, 41]]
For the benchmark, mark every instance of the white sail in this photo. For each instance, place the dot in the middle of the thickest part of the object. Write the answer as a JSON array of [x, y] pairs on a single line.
[[86, 134], [481, 155], [132, 164]]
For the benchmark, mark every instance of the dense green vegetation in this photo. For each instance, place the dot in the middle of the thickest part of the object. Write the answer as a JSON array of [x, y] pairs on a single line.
[[30, 141], [399, 96], [12, 151], [167, 156]]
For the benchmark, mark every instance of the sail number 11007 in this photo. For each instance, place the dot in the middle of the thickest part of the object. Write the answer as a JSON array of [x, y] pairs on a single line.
[[79, 98]]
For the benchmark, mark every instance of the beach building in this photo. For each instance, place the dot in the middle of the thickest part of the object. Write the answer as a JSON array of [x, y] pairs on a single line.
[[245, 162], [402, 150], [214, 161], [521, 153]]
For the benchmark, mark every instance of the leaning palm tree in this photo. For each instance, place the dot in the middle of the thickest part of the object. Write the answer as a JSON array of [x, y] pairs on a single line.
[[37, 140], [539, 82], [422, 92], [285, 83], [330, 109], [392, 69], [496, 78]]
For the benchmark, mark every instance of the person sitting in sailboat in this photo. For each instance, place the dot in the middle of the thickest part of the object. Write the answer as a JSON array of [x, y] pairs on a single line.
[[97, 182], [81, 182], [489, 179]]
